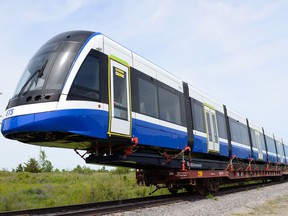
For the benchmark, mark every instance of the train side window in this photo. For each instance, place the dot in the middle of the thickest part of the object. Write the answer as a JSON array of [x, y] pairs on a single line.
[[235, 131], [169, 105], [198, 116], [285, 150], [148, 104], [244, 134], [86, 84], [270, 144], [239, 132], [280, 148], [221, 125], [262, 142]]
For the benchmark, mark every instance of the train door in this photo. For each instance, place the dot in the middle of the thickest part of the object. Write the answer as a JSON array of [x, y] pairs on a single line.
[[258, 144], [212, 130], [119, 98]]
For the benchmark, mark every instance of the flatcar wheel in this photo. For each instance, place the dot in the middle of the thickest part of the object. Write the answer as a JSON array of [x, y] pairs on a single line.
[[173, 189], [201, 186]]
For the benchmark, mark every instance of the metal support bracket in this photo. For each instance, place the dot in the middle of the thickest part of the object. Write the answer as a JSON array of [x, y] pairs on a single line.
[[230, 166], [168, 158], [130, 150]]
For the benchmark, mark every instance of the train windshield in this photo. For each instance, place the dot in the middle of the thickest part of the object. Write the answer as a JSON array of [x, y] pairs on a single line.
[[48, 68]]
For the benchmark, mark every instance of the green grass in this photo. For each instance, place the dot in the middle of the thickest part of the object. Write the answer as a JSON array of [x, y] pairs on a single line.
[[212, 197], [37, 190]]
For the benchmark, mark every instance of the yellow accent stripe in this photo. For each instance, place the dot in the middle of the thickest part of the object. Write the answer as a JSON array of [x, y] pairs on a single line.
[[121, 61], [109, 96], [118, 134], [209, 106]]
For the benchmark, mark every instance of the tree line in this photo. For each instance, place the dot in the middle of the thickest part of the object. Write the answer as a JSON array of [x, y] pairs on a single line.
[[44, 166]]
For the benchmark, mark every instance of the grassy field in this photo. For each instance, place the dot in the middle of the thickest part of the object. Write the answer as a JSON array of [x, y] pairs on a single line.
[[25, 190]]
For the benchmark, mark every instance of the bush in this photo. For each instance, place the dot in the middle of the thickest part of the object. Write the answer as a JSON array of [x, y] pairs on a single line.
[[121, 171]]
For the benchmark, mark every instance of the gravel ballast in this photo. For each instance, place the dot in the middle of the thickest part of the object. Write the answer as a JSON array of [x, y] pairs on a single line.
[[262, 201]]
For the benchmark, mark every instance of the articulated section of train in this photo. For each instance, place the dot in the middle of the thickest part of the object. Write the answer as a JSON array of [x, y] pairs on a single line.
[[84, 91]]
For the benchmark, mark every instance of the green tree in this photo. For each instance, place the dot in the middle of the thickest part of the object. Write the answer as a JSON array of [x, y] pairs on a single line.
[[57, 170], [77, 169], [46, 165], [19, 168], [32, 166]]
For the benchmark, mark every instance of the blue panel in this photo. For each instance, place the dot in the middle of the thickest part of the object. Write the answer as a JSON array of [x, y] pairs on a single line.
[[224, 150], [92, 123], [255, 155], [18, 124], [157, 135], [200, 144], [272, 158], [241, 153], [265, 157]]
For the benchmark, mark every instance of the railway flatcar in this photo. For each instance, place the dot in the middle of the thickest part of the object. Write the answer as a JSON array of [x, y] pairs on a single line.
[[83, 91]]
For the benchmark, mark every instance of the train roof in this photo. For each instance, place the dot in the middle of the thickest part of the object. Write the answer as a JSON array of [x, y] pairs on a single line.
[[79, 36]]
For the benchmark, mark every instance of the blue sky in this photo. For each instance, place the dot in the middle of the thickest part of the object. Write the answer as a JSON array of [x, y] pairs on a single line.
[[235, 51]]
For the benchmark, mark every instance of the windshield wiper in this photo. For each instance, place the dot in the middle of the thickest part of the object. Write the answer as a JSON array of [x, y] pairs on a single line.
[[40, 74]]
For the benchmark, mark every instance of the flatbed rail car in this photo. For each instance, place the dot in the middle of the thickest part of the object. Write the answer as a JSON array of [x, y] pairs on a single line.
[[83, 91], [203, 181], [189, 176]]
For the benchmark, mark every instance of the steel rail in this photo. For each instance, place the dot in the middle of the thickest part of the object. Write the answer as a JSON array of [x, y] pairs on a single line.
[[100, 207]]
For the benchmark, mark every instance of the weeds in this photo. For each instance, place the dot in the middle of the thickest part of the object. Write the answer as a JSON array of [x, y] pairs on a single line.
[[211, 196], [38, 190]]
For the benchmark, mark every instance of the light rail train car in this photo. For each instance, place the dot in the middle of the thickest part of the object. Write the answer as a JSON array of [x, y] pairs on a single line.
[[83, 91]]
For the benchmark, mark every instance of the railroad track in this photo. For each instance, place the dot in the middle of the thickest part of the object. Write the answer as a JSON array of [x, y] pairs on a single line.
[[102, 207], [109, 207]]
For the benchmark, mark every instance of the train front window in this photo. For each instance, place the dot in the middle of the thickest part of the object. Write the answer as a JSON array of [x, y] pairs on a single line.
[[36, 70], [48, 68]]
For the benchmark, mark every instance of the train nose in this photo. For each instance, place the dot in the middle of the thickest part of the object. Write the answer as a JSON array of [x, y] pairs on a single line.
[[18, 124]]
